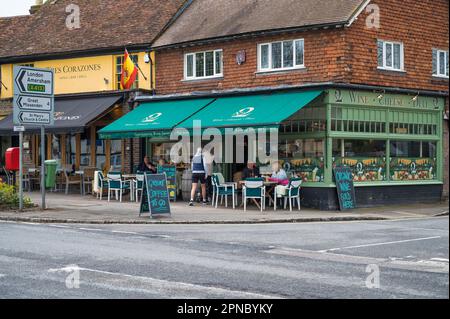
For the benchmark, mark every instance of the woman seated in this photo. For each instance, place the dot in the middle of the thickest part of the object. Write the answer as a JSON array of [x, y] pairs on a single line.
[[279, 175]]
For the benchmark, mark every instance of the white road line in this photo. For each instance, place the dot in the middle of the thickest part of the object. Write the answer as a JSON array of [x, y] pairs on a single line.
[[92, 229], [161, 283], [379, 244], [59, 226], [124, 232], [2, 275], [440, 259]]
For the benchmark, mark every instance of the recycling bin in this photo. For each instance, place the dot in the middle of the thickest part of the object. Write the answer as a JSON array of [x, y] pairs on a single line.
[[50, 173]]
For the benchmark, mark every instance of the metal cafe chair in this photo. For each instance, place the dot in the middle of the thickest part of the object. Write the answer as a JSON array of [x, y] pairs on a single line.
[[138, 184], [117, 184], [102, 183], [223, 189], [291, 193], [254, 189], [72, 180]]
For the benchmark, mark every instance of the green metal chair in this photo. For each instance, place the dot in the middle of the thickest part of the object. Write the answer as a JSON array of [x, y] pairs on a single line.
[[254, 188], [117, 184], [223, 189], [139, 184], [291, 193]]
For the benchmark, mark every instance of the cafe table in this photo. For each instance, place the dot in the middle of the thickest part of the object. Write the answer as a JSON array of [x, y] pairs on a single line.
[[270, 188], [132, 179]]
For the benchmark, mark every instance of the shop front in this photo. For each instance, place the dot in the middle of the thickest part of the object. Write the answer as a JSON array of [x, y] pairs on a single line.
[[73, 140], [392, 142]]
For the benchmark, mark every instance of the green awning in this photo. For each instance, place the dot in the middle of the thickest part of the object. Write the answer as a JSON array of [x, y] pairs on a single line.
[[153, 119], [263, 110]]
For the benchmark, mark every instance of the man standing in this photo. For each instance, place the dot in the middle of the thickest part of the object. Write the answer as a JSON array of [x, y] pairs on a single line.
[[199, 171]]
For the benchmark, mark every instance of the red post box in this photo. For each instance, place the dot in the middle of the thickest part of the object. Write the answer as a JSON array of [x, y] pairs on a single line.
[[12, 157]]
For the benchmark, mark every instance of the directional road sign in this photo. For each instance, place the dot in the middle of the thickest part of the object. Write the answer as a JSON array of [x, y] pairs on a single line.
[[33, 96]]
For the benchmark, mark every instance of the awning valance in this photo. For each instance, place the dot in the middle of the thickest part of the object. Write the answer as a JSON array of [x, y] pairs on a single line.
[[154, 119], [263, 110], [71, 115]]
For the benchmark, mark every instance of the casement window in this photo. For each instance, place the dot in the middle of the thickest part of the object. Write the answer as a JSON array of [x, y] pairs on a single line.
[[118, 71], [440, 63], [203, 65], [283, 55], [390, 55]]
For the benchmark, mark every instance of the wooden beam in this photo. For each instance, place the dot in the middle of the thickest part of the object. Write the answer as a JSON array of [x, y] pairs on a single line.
[[49, 146], [78, 151], [93, 161], [63, 150], [107, 155]]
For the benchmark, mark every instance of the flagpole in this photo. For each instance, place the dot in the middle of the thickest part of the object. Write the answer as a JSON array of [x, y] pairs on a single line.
[[145, 78]]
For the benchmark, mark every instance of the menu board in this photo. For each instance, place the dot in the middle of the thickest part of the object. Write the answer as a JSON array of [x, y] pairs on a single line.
[[171, 173], [155, 195], [345, 187]]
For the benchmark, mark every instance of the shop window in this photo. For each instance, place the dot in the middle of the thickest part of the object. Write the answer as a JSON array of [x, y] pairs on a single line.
[[303, 158], [309, 119], [118, 73], [366, 158], [413, 160], [56, 149], [357, 120], [413, 123], [116, 155], [286, 55], [203, 65], [85, 155], [100, 153]]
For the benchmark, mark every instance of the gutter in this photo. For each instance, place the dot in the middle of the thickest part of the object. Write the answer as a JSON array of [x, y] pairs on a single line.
[[356, 14], [310, 86]]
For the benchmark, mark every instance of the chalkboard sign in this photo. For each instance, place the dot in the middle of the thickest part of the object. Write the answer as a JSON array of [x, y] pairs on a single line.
[[155, 195], [345, 188], [171, 173]]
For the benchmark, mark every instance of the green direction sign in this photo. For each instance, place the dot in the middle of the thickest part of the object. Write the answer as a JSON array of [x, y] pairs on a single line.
[[33, 101], [33, 81]]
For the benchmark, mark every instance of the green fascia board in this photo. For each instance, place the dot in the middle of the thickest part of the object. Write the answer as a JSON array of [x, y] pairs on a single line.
[[153, 118], [251, 110]]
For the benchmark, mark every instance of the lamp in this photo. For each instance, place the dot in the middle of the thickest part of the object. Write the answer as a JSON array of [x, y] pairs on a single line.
[[414, 99]]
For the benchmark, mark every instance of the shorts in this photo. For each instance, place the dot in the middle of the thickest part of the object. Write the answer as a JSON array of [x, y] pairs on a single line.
[[198, 178]]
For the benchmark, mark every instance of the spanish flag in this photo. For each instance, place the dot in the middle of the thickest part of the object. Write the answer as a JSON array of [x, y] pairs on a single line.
[[129, 72]]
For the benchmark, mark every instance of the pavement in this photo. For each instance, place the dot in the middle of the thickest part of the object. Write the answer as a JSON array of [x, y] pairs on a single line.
[[405, 258], [74, 208]]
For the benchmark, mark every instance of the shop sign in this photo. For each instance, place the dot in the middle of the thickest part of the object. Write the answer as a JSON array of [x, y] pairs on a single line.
[[345, 187], [155, 195], [171, 174], [364, 169]]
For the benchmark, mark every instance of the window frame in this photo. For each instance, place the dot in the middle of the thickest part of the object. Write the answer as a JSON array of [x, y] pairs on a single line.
[[282, 68], [438, 63], [194, 65], [117, 75], [402, 56]]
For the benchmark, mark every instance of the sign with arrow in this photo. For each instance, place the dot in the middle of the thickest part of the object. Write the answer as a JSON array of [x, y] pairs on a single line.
[[33, 96]]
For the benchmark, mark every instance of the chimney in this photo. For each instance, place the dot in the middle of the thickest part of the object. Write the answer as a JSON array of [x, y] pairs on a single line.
[[35, 8]]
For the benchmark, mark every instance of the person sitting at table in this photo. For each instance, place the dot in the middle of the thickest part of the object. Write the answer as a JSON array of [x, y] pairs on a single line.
[[251, 171], [279, 175], [162, 162], [147, 166]]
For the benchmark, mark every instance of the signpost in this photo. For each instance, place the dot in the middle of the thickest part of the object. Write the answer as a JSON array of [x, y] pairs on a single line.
[[33, 105], [345, 187], [155, 195], [171, 174]]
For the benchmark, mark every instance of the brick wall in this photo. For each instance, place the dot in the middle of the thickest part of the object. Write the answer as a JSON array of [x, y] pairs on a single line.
[[420, 25], [341, 55]]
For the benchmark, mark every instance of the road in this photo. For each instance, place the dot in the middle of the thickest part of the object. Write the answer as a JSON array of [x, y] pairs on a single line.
[[379, 259]]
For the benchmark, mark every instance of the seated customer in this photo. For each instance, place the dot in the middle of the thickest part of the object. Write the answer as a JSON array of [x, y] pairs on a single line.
[[147, 166], [279, 175], [251, 171]]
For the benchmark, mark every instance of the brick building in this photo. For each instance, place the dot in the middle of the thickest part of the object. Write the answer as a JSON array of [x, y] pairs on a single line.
[[380, 69], [83, 41]]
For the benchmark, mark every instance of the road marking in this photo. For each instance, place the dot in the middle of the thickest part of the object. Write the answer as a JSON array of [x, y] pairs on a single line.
[[2, 276], [379, 244], [171, 285], [59, 226], [440, 259], [124, 232], [92, 229]]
